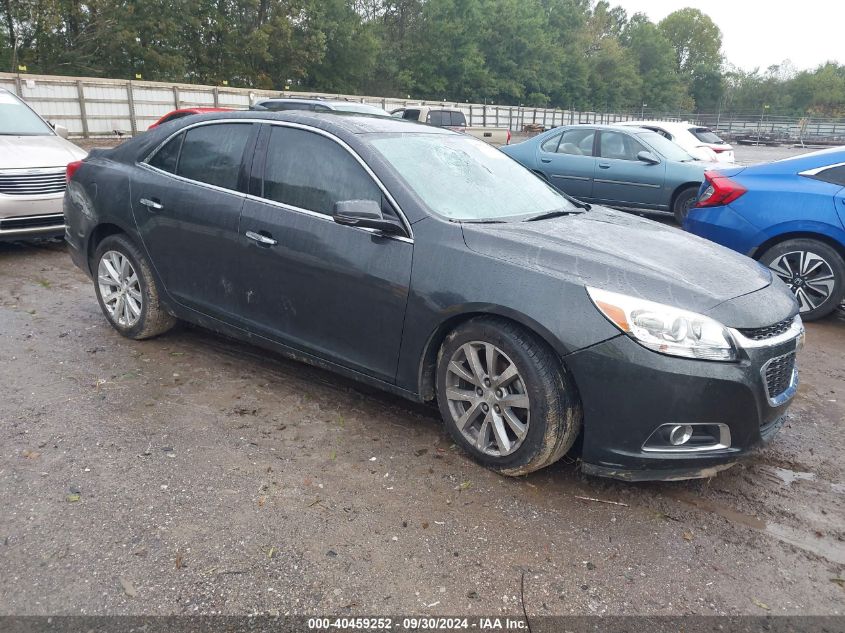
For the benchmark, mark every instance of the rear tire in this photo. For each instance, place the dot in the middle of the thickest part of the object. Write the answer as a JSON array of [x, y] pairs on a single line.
[[515, 417], [127, 291], [683, 202], [814, 272]]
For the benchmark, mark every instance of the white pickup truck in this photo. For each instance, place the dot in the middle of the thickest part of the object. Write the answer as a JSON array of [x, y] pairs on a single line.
[[453, 119]]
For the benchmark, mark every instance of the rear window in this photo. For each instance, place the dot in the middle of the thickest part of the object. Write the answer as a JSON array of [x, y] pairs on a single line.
[[459, 119], [706, 135], [413, 115]]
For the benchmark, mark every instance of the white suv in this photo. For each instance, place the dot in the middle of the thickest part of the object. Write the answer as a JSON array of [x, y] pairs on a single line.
[[33, 157]]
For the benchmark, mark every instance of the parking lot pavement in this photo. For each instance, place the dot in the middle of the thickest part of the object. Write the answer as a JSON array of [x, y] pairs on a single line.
[[192, 474]]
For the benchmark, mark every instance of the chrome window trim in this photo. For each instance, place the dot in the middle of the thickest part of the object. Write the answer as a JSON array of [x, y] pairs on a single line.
[[257, 121], [817, 170], [795, 331]]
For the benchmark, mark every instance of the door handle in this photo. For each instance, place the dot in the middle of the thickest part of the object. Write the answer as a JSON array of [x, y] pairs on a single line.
[[152, 205], [264, 240], [604, 165], [545, 160]]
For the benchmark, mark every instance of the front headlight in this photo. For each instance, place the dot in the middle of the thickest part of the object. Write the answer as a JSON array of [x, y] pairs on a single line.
[[666, 329]]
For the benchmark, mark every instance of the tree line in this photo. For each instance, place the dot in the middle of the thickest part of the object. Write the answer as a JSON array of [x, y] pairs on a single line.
[[578, 54]]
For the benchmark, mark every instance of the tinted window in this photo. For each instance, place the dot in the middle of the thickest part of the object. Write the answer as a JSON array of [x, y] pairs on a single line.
[[213, 153], [310, 171], [550, 144], [620, 146], [706, 135], [413, 115], [577, 142], [435, 117], [458, 118], [166, 157], [833, 175]]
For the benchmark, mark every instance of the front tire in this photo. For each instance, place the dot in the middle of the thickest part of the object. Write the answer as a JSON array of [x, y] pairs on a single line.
[[814, 272], [683, 203], [127, 291], [505, 397]]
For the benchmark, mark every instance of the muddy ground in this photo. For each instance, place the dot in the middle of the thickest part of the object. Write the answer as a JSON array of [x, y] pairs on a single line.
[[193, 474]]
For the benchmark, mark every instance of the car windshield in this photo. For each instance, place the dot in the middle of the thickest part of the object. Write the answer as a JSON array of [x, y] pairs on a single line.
[[361, 108], [706, 136], [462, 178], [16, 119], [666, 148]]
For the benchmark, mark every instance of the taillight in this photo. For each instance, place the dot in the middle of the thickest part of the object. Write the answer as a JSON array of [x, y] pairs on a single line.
[[71, 168], [720, 190], [719, 150], [508, 142]]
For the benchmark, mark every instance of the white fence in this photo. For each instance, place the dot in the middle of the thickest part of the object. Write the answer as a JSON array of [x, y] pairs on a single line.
[[89, 106], [102, 107]]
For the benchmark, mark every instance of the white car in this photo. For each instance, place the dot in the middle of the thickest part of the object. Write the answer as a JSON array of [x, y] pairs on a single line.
[[33, 158], [701, 142]]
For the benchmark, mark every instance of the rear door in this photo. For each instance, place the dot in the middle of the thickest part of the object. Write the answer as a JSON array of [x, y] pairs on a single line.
[[187, 201], [621, 179], [568, 162], [335, 291]]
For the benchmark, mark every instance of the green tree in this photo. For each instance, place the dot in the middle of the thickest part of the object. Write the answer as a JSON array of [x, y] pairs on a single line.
[[662, 88]]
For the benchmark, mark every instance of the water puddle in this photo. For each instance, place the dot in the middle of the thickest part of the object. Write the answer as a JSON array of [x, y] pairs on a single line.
[[789, 476], [827, 547]]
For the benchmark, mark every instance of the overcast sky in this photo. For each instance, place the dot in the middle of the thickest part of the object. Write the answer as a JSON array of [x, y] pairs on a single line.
[[762, 33]]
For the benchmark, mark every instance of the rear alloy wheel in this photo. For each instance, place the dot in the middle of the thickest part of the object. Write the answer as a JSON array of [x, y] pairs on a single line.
[[814, 272], [127, 291], [683, 203], [505, 397]]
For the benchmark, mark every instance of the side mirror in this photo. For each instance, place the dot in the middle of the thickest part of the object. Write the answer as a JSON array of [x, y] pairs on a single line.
[[648, 157], [365, 214], [61, 130]]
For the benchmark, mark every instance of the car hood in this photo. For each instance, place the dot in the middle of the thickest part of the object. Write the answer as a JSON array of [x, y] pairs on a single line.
[[32, 152], [627, 254]]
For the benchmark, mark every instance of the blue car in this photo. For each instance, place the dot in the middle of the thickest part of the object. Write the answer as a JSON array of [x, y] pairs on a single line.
[[623, 167], [789, 215]]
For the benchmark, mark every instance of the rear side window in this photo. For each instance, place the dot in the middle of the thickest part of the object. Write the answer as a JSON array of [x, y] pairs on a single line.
[[577, 142], [213, 153], [619, 146], [167, 157], [834, 175], [550, 144], [309, 171], [413, 115], [435, 117], [706, 135]]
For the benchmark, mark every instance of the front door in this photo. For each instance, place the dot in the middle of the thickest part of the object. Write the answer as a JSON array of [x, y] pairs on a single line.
[[187, 205], [621, 179], [568, 162], [335, 291]]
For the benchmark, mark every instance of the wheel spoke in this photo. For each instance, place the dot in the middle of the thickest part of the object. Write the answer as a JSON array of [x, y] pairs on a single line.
[[519, 429], [518, 400], [134, 306], [461, 394], [459, 370], [506, 377], [469, 416], [471, 353], [111, 271], [500, 434], [804, 302], [490, 354], [481, 441]]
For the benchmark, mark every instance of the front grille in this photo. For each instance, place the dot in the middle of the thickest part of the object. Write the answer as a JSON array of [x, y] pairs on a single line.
[[32, 183], [778, 374], [769, 331], [32, 222]]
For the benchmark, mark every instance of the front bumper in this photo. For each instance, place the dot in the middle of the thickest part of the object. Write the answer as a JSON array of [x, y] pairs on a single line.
[[628, 391], [27, 217]]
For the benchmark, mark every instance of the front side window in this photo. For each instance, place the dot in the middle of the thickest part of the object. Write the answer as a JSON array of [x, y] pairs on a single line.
[[16, 119], [309, 171], [435, 117], [213, 153], [620, 146], [167, 157], [664, 147], [413, 115]]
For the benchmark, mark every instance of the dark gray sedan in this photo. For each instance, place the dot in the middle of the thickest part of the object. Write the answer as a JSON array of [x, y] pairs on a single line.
[[433, 266]]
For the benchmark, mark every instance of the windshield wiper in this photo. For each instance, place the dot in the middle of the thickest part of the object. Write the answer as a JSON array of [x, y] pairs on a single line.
[[555, 214], [484, 221]]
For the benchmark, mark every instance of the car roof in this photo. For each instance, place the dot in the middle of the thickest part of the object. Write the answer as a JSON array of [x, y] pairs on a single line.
[[308, 100], [666, 125]]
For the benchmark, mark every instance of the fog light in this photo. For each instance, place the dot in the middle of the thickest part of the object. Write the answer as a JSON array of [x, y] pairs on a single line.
[[680, 434]]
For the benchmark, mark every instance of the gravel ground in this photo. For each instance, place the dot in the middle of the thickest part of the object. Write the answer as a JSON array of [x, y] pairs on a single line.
[[193, 474]]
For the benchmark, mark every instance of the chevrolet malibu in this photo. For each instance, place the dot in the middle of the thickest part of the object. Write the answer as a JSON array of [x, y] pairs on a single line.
[[431, 265]]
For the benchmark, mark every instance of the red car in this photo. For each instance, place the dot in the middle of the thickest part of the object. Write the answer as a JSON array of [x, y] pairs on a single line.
[[178, 114]]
